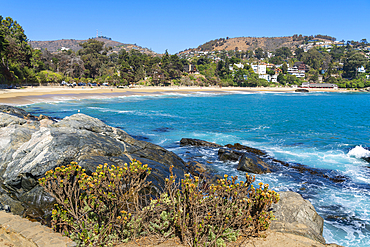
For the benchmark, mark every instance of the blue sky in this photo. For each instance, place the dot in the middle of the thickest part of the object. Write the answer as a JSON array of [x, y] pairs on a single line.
[[178, 25]]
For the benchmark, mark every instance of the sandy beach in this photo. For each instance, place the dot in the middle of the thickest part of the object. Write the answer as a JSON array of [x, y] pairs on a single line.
[[32, 95]]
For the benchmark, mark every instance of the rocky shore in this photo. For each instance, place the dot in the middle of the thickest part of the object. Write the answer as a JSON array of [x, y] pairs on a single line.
[[31, 145]]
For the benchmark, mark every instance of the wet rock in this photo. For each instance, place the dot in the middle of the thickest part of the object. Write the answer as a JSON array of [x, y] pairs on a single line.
[[14, 111], [250, 162], [198, 143], [238, 146], [225, 154], [367, 159], [297, 216], [163, 129], [196, 169], [11, 205]]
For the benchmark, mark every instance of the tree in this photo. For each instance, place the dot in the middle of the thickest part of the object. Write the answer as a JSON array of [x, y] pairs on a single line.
[[283, 52], [354, 60], [312, 58], [91, 54], [281, 79], [299, 53], [259, 53], [15, 53], [284, 68], [276, 60]]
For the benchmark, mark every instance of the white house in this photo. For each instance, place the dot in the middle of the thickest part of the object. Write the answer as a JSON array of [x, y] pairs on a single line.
[[361, 70], [238, 65], [298, 73], [259, 69]]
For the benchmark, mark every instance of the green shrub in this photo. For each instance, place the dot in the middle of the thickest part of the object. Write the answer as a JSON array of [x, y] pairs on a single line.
[[112, 205], [99, 209], [211, 215]]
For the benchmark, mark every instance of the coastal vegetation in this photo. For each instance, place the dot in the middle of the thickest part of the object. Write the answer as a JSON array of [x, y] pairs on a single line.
[[116, 204], [319, 59]]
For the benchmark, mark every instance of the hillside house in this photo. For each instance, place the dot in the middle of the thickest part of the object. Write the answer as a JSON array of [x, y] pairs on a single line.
[[298, 73], [191, 69], [302, 66], [238, 65], [361, 69], [259, 69]]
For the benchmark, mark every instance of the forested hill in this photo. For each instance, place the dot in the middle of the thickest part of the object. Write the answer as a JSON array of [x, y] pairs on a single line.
[[73, 44], [252, 43]]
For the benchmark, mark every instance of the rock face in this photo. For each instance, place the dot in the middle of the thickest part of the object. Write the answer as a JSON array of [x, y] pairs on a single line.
[[198, 143], [297, 216], [226, 154], [250, 162], [30, 147], [238, 146]]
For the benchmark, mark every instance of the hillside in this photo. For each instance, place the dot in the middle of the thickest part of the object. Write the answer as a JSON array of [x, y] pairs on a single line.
[[249, 43], [56, 45]]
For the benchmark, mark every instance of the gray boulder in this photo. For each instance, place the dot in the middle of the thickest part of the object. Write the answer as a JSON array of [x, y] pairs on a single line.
[[198, 143], [30, 147], [226, 154], [250, 162], [297, 216]]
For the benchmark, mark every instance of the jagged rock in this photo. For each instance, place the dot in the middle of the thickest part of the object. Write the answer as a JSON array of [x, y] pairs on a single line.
[[196, 169], [15, 111], [198, 143], [238, 146], [12, 205], [29, 148], [225, 154], [297, 216], [250, 162]]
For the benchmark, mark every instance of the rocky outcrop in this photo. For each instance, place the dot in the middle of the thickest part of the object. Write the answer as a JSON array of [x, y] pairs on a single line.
[[238, 146], [226, 154], [297, 216], [250, 162], [196, 169], [29, 147], [198, 143]]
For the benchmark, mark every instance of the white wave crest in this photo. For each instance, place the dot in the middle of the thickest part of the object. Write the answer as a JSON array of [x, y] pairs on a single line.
[[359, 152]]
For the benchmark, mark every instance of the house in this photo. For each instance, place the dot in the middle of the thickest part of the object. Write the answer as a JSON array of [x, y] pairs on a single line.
[[302, 66], [298, 73], [259, 69], [238, 65], [267, 77], [191, 69], [319, 85], [361, 70]]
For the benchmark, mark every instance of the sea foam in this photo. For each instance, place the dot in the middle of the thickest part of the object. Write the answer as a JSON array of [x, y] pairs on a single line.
[[359, 152]]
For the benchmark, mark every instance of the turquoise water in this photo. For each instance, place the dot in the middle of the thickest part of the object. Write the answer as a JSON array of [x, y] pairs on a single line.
[[326, 131]]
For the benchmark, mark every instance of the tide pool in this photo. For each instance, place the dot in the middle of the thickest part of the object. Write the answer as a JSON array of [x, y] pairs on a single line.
[[326, 131]]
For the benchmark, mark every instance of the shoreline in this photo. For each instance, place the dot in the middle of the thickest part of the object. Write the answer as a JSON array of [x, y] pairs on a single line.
[[59, 93]]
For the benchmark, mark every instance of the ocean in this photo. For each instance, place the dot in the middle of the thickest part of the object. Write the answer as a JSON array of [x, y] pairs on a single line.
[[328, 132]]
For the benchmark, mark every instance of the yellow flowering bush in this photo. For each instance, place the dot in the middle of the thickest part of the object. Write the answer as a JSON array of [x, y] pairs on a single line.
[[113, 205], [203, 214], [100, 209]]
